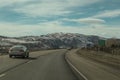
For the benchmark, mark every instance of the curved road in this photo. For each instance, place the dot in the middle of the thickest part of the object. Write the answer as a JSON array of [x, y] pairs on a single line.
[[48, 67]]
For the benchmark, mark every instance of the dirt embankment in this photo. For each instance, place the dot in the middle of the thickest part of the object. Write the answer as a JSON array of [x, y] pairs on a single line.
[[101, 57]]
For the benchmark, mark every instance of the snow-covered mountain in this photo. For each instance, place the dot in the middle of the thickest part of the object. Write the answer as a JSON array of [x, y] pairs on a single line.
[[55, 40]]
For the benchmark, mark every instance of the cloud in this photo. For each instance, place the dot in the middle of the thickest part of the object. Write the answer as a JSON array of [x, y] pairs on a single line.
[[4, 3], [40, 9], [108, 14], [91, 21], [87, 20], [43, 9], [46, 8], [11, 29]]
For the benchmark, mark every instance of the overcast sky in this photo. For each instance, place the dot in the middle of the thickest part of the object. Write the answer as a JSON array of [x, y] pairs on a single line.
[[36, 17]]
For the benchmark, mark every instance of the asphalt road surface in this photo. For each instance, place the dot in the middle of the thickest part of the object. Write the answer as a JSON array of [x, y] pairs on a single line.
[[46, 67]]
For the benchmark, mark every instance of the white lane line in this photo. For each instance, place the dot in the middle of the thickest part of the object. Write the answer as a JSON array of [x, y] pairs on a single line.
[[2, 75], [75, 69], [29, 61]]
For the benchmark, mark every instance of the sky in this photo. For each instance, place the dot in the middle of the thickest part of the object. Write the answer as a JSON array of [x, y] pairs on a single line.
[[39, 17]]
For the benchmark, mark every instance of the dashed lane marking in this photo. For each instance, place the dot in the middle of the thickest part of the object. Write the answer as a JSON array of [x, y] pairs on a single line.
[[1, 75]]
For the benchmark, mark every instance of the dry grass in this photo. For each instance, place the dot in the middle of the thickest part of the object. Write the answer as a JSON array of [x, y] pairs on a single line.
[[101, 57]]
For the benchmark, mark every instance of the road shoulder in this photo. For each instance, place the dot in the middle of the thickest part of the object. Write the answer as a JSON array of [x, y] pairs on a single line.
[[91, 69]]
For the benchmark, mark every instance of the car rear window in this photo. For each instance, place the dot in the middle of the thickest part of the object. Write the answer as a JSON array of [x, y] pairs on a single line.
[[18, 48]]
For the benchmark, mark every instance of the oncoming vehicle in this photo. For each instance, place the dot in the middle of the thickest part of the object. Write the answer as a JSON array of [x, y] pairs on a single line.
[[19, 50]]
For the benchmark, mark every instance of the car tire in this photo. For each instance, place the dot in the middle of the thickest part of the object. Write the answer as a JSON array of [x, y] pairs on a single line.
[[27, 55], [10, 56]]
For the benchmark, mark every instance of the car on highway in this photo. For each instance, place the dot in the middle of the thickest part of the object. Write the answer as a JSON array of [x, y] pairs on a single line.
[[19, 50]]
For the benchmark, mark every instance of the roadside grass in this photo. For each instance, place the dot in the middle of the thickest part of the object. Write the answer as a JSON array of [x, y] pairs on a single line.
[[101, 57]]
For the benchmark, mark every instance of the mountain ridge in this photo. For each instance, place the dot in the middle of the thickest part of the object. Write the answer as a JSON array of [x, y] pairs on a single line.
[[52, 41]]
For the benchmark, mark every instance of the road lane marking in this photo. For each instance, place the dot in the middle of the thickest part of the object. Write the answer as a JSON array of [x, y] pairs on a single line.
[[85, 78], [2, 75], [29, 61]]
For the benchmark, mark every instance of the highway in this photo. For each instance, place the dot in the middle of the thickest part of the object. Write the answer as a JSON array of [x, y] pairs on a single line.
[[46, 65]]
